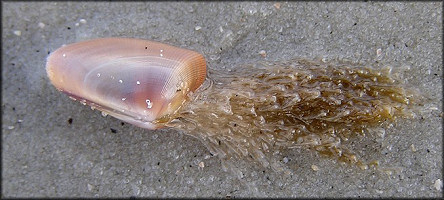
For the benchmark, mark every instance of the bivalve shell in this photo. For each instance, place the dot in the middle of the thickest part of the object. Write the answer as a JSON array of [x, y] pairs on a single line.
[[137, 81]]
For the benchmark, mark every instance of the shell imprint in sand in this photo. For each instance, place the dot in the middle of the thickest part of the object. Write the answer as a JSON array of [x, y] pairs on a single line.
[[248, 112]]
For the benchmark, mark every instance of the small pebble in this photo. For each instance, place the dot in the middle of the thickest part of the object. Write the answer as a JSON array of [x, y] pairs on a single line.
[[285, 160], [83, 21], [413, 147], [263, 53], [201, 164], [197, 28], [17, 33], [379, 54], [315, 168], [438, 184], [90, 187], [41, 25], [277, 5]]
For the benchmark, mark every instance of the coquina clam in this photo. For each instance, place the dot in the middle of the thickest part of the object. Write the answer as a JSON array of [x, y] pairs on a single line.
[[137, 81], [247, 112]]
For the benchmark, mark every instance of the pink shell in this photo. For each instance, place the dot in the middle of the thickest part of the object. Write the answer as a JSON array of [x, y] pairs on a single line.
[[137, 81]]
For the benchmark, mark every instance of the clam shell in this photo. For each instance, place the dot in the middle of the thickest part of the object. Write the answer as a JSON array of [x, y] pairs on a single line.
[[134, 80]]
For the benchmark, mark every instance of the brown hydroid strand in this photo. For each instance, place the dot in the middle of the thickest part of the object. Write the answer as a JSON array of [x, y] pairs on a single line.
[[292, 104]]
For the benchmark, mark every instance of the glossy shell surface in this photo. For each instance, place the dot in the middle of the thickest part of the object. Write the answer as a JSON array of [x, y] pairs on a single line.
[[137, 81]]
